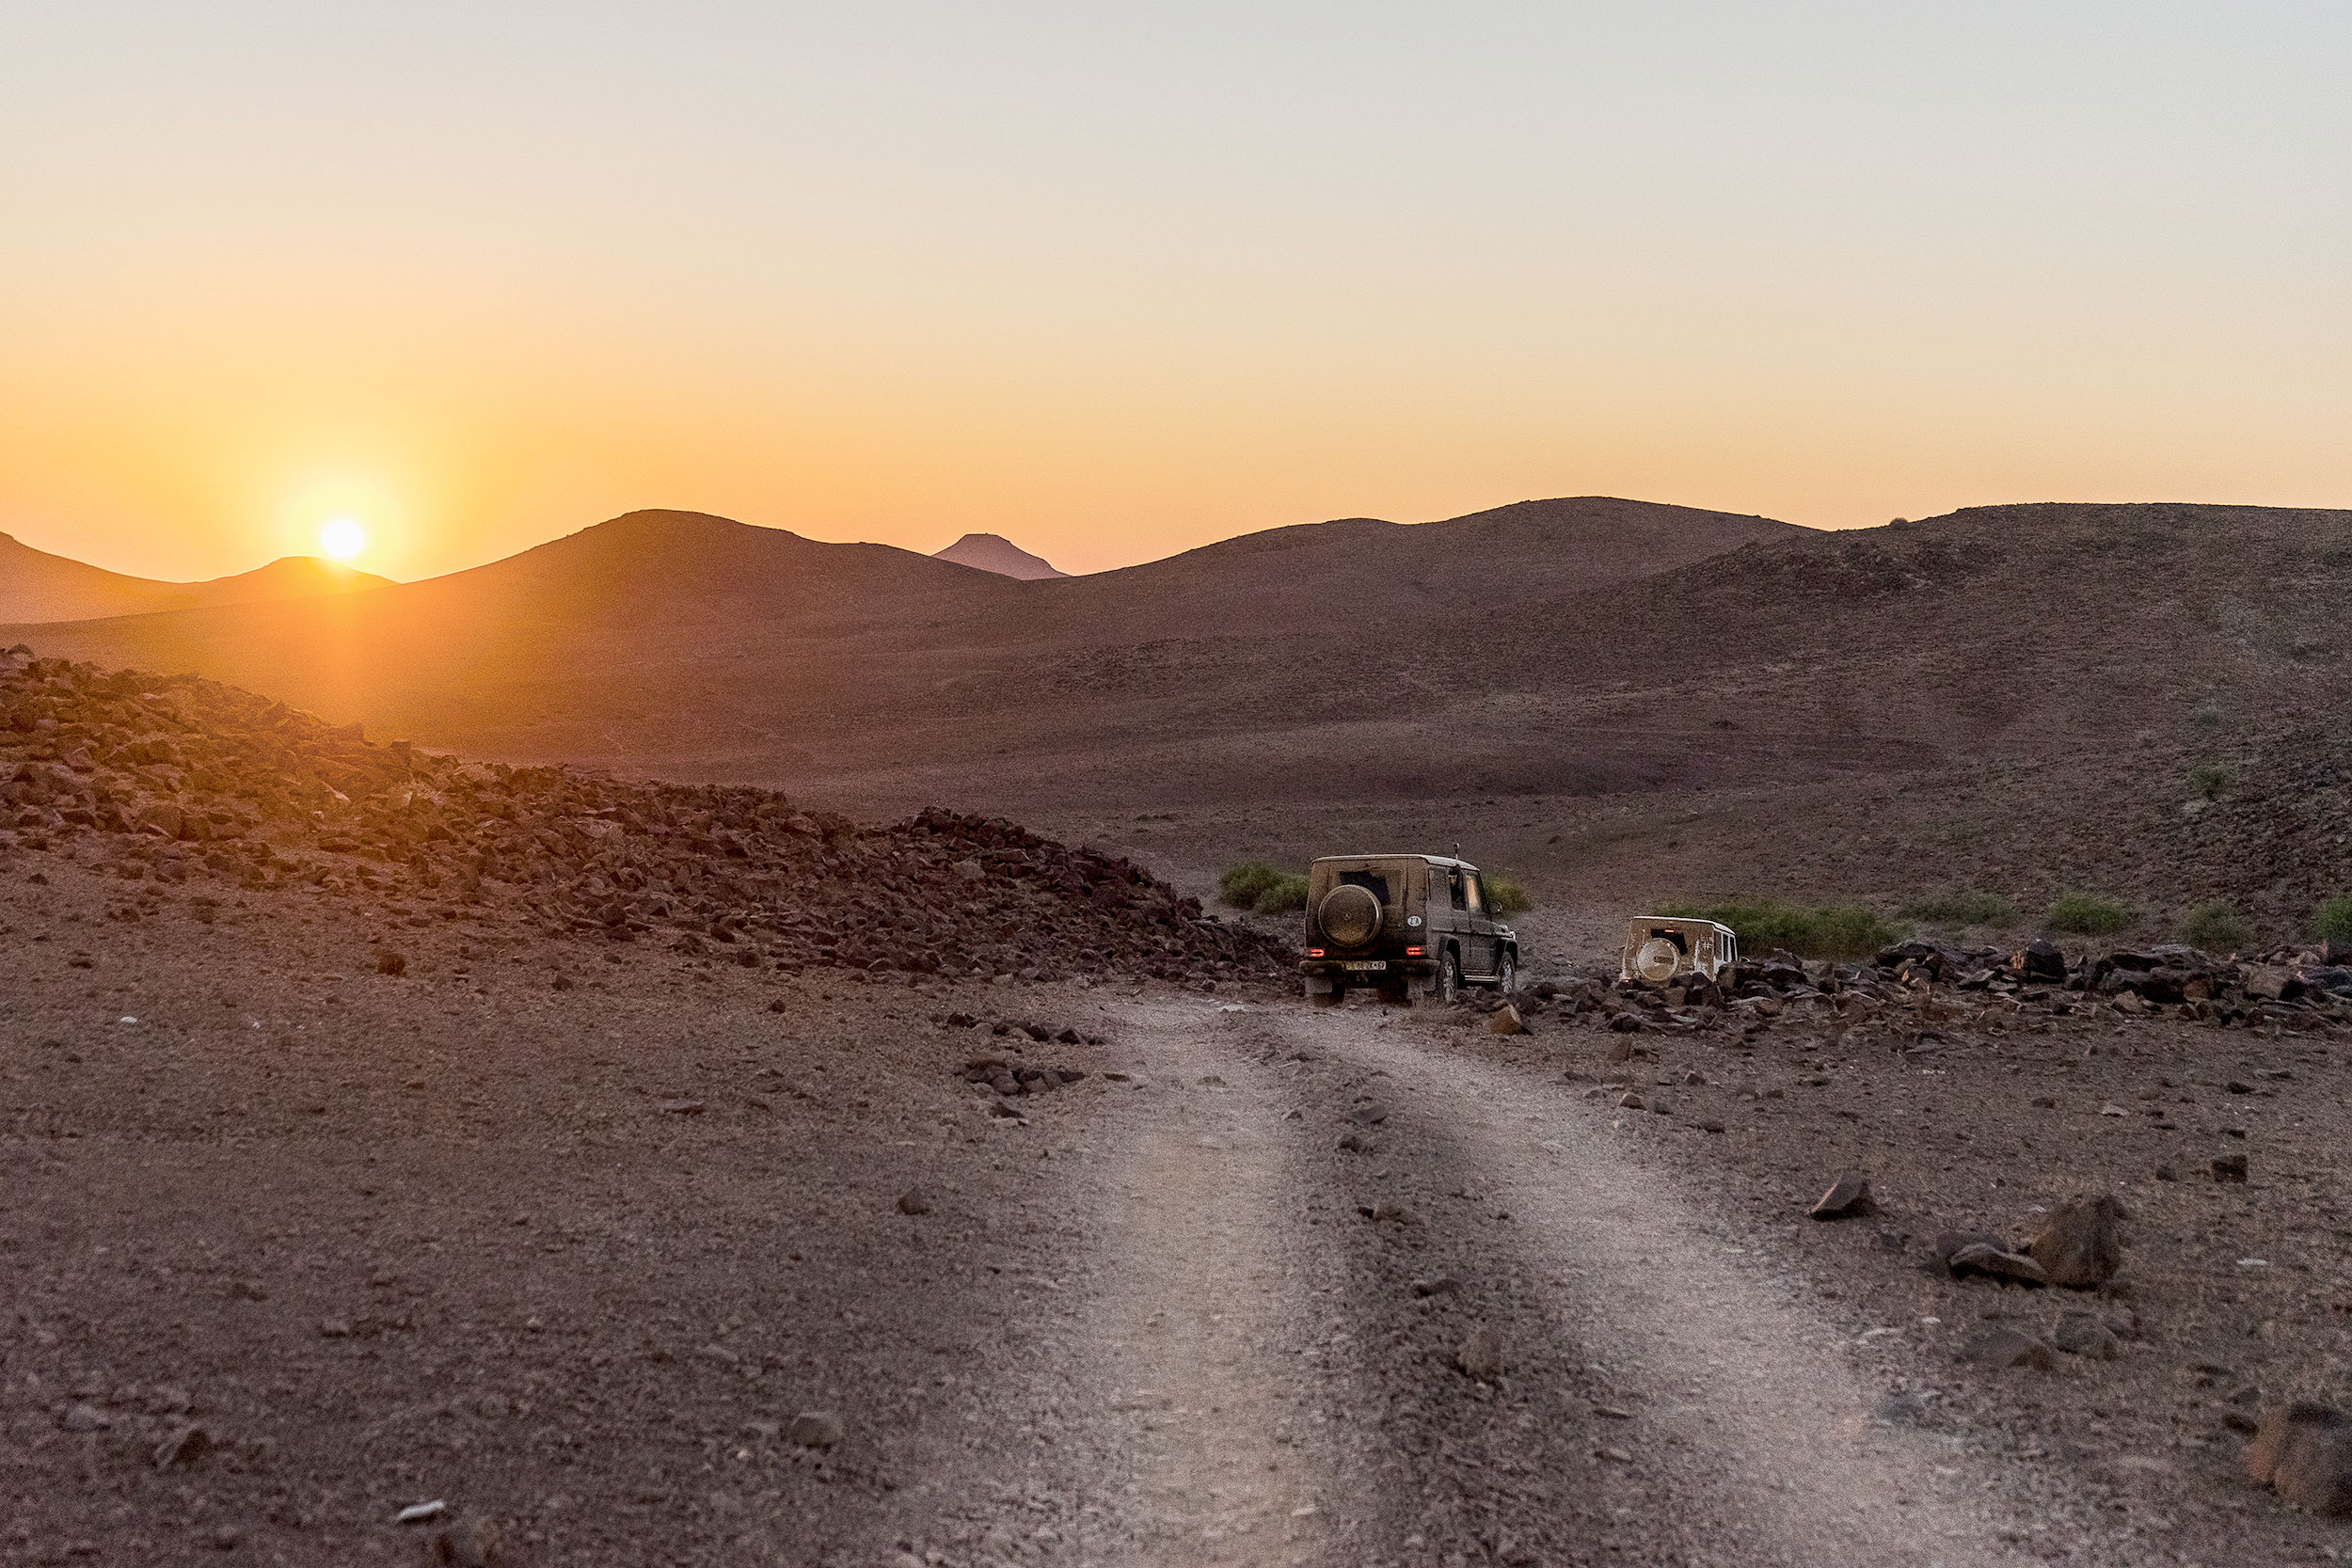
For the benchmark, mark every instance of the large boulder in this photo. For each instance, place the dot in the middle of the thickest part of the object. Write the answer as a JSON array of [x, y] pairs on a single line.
[[2041, 962], [2080, 1245], [2304, 1450]]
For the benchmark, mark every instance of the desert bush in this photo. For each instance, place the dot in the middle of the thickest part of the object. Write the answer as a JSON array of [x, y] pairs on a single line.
[[1285, 893], [2208, 780], [2215, 926], [1506, 896], [1241, 884], [1961, 907], [1847, 930], [2334, 921], [2090, 915]]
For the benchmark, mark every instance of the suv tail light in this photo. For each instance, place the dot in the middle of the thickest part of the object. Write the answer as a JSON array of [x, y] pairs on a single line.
[[1314, 952], [1412, 952]]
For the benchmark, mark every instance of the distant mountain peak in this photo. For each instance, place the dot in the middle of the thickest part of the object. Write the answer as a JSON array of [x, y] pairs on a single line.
[[994, 552]]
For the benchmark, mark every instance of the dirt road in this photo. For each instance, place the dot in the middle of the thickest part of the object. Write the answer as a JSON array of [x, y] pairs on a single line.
[[1261, 1360]]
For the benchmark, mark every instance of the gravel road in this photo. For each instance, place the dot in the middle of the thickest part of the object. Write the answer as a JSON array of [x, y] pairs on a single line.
[[1260, 1357]]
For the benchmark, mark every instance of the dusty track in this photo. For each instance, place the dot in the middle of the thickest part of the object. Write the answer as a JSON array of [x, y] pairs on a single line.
[[1243, 1373]]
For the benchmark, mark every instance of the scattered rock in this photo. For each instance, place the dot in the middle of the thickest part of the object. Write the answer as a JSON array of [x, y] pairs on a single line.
[[1991, 1261], [1631, 1102], [1849, 1199], [2080, 1245], [1444, 1286], [1356, 1142], [184, 1446], [814, 1428], [913, 1201], [2004, 1348], [1506, 1020], [1481, 1356], [2081, 1334], [394, 964], [1369, 1113], [84, 1417], [2304, 1450], [468, 1545], [2230, 1167], [335, 1328], [1901, 1408]]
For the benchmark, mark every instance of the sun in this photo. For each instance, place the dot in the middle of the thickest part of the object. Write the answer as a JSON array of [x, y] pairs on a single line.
[[343, 539]]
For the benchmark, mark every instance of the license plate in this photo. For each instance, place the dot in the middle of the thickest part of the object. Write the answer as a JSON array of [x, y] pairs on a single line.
[[1365, 963]]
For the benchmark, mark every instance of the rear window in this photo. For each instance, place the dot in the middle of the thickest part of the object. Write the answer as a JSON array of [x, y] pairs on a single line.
[[1373, 881]]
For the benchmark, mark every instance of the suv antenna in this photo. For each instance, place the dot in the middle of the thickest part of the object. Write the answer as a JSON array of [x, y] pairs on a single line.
[[1458, 848]]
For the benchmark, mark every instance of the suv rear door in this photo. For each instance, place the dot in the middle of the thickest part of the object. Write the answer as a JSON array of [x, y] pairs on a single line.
[[1478, 936]]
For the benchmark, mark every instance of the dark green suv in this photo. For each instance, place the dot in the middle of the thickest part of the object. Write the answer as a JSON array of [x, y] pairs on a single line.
[[1402, 925]]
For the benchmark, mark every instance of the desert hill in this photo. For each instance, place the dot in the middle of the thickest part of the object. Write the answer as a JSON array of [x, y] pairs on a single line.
[[668, 639], [38, 587], [994, 552], [1619, 699]]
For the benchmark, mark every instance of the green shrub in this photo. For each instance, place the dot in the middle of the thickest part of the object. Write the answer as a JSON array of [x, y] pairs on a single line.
[[1241, 884], [2334, 921], [1286, 893], [1962, 907], [2208, 780], [2215, 926], [1506, 897], [1827, 931], [2090, 915]]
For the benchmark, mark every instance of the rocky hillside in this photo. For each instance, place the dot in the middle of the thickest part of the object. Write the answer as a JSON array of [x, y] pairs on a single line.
[[168, 777]]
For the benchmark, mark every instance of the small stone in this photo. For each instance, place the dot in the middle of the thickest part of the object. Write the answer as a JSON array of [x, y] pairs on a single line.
[[913, 1201], [393, 964], [1506, 1020], [2081, 1334], [84, 1417], [1901, 1408], [1631, 1102], [683, 1107], [1370, 1114], [335, 1328], [2004, 1348], [814, 1428], [2230, 1167], [1444, 1286], [1356, 1142], [1995, 1262], [2080, 1245], [185, 1446], [2304, 1450], [1481, 1356], [1848, 1199], [468, 1545]]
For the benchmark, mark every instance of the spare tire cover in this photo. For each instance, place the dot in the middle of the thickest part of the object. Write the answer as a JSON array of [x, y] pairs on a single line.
[[1350, 916], [1656, 959]]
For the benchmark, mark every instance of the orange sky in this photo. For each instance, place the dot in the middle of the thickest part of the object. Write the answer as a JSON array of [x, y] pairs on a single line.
[[1113, 287]]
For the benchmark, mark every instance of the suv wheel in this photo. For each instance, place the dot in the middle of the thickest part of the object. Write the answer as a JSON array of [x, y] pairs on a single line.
[[1507, 976], [1449, 977]]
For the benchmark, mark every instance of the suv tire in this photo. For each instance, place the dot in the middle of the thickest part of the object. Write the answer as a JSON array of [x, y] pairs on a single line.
[[1449, 977], [1507, 973]]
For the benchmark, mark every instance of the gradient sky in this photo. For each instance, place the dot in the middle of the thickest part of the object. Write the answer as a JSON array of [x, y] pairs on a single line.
[[1114, 281]]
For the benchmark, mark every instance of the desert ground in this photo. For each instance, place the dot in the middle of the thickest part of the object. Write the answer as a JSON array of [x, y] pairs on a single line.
[[622, 1251]]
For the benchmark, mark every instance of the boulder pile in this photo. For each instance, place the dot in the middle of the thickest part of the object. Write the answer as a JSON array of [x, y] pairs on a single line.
[[1920, 983], [170, 776]]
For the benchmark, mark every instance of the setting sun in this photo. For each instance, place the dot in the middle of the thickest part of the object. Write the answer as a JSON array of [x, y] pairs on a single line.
[[343, 539]]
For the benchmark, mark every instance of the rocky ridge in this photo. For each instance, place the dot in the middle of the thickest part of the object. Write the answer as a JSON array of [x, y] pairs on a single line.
[[177, 776]]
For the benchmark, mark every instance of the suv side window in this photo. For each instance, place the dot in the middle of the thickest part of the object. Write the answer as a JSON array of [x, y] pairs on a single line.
[[1454, 889], [1477, 904]]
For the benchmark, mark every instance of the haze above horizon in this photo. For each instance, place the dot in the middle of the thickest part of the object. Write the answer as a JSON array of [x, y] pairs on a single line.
[[1115, 285]]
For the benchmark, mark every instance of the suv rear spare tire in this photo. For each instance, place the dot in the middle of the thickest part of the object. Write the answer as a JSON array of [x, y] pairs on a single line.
[[1350, 916]]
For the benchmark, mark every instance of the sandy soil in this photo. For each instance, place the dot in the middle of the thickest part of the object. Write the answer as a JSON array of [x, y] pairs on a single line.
[[566, 1234]]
